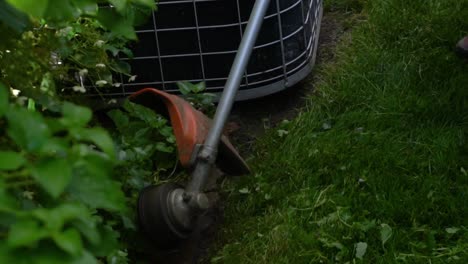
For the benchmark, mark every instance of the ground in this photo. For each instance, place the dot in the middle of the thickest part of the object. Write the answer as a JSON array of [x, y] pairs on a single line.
[[250, 120], [373, 168]]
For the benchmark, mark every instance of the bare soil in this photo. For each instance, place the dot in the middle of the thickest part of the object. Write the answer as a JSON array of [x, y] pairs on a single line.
[[250, 119]]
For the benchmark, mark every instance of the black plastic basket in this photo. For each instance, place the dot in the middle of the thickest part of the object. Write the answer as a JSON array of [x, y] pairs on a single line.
[[197, 40]]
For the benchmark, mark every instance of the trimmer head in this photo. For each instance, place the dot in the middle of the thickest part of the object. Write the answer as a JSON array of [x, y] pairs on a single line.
[[163, 215], [168, 213]]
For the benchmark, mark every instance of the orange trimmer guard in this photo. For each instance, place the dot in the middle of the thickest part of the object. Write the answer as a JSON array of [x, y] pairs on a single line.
[[190, 129]]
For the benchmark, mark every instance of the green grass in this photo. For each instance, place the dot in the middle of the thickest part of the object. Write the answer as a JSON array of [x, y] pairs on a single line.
[[378, 156]]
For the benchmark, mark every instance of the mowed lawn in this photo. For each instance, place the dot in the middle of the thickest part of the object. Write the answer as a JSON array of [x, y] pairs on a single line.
[[375, 167]]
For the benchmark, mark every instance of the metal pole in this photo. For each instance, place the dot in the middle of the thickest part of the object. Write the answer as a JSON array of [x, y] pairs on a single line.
[[208, 153]]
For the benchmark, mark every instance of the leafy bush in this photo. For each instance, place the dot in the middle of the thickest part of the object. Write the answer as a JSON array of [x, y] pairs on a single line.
[[68, 189], [55, 183], [66, 45], [60, 198], [145, 146]]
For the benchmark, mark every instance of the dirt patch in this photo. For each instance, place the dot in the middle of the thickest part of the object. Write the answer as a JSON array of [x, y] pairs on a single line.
[[250, 119]]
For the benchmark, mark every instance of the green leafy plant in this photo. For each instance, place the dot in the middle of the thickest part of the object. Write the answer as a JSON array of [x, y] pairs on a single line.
[[66, 46], [146, 146], [197, 96], [67, 189], [55, 186], [60, 198]]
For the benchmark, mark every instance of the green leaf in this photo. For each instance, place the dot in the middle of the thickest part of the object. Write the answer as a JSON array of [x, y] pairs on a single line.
[[25, 233], [120, 119], [385, 233], [69, 241], [35, 8], [199, 87], [12, 18], [128, 221], [55, 124], [6, 255], [92, 186], [43, 253], [87, 7], [118, 257], [97, 162], [115, 51], [185, 87], [164, 148], [85, 258], [7, 201], [128, 52], [117, 24], [98, 193], [109, 242], [60, 11], [28, 129], [55, 146], [53, 175], [31, 105], [361, 249], [119, 4], [47, 83], [54, 219], [244, 190], [452, 230], [75, 115], [208, 99], [149, 116], [97, 136], [365, 225], [3, 99], [88, 229], [141, 12], [120, 66], [148, 3], [10, 160]]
